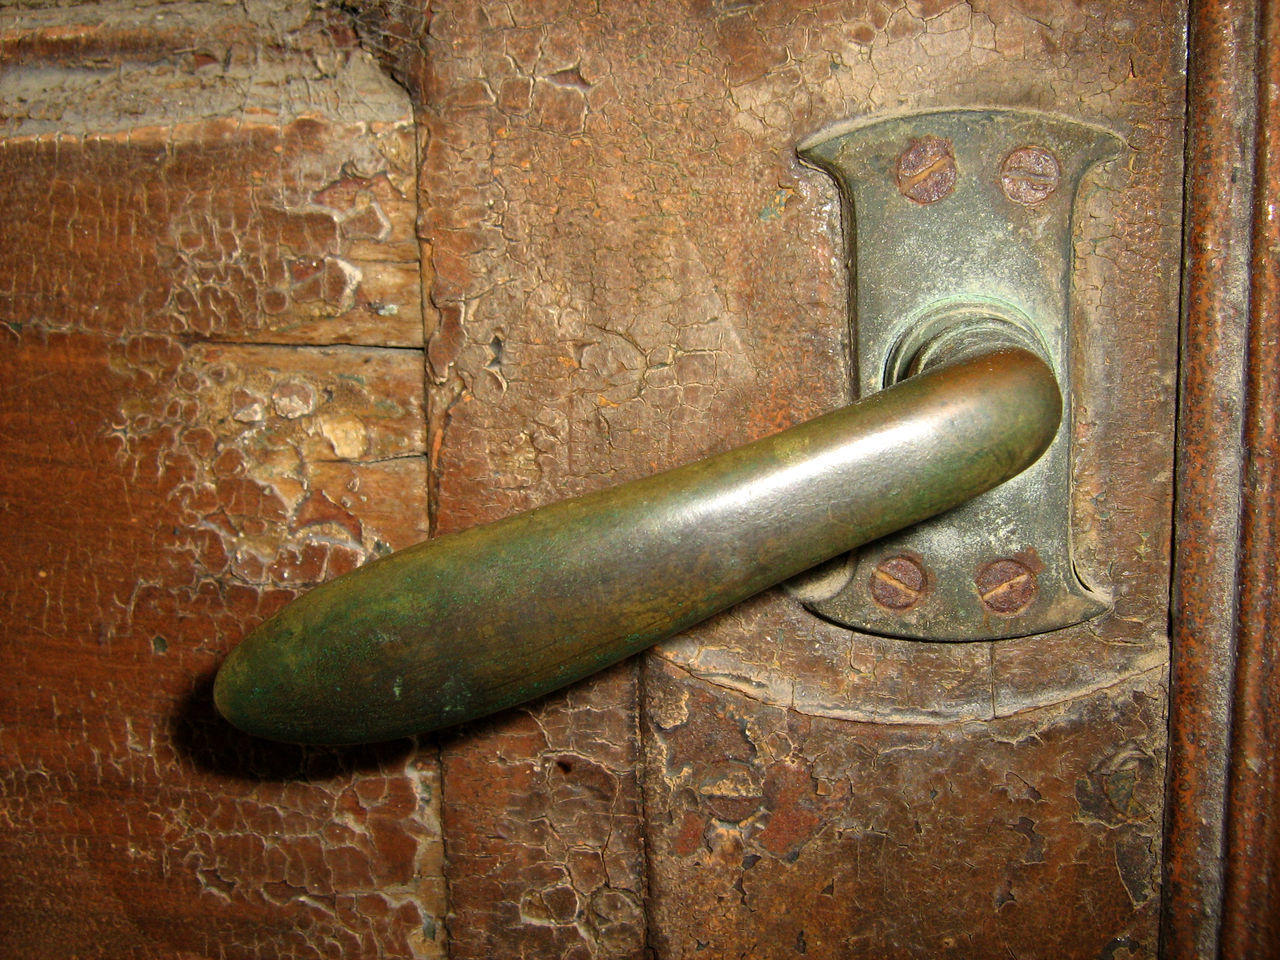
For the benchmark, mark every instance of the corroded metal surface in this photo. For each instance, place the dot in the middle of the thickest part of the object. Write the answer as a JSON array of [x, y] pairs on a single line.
[[465, 625], [972, 263]]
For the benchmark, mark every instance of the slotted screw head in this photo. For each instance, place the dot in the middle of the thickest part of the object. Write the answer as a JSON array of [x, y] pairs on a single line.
[[1006, 586], [927, 170], [898, 583], [1029, 175]]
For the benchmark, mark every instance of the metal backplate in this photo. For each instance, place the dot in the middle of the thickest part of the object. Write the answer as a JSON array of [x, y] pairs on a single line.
[[962, 220]]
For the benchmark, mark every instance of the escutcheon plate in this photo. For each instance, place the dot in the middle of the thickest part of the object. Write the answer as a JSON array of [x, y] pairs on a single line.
[[956, 221]]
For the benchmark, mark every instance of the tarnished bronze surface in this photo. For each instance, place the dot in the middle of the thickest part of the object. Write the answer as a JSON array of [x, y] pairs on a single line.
[[973, 265], [465, 625]]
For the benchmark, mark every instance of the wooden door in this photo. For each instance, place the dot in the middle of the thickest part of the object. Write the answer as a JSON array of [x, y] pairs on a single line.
[[285, 288]]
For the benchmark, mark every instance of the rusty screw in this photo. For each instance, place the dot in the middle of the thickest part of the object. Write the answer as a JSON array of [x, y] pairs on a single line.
[[1029, 175], [1006, 586], [898, 583], [927, 170]]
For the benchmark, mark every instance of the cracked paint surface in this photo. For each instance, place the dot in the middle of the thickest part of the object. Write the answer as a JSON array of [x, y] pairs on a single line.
[[212, 397], [798, 835], [220, 333], [544, 828], [628, 269]]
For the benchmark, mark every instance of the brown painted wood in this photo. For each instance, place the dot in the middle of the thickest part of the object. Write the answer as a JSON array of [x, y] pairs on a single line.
[[211, 397], [1207, 603], [217, 341], [631, 269], [780, 834], [1251, 908]]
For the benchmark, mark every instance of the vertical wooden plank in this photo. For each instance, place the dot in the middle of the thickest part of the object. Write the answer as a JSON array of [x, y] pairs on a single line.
[[1251, 908], [630, 269], [780, 819], [1222, 100], [211, 397]]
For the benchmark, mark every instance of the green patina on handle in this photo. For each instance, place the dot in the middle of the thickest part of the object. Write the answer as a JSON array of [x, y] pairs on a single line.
[[468, 624]]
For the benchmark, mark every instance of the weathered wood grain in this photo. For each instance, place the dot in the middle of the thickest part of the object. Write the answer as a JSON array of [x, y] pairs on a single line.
[[631, 269], [214, 335], [211, 397]]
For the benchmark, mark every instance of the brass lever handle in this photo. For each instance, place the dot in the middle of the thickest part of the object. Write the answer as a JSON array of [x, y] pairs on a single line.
[[467, 624]]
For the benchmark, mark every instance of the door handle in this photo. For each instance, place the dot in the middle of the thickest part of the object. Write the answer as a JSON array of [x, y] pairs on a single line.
[[963, 306], [473, 622]]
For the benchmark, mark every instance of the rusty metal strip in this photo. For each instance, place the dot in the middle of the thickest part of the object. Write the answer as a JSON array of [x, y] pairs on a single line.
[[1251, 909], [1221, 116]]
